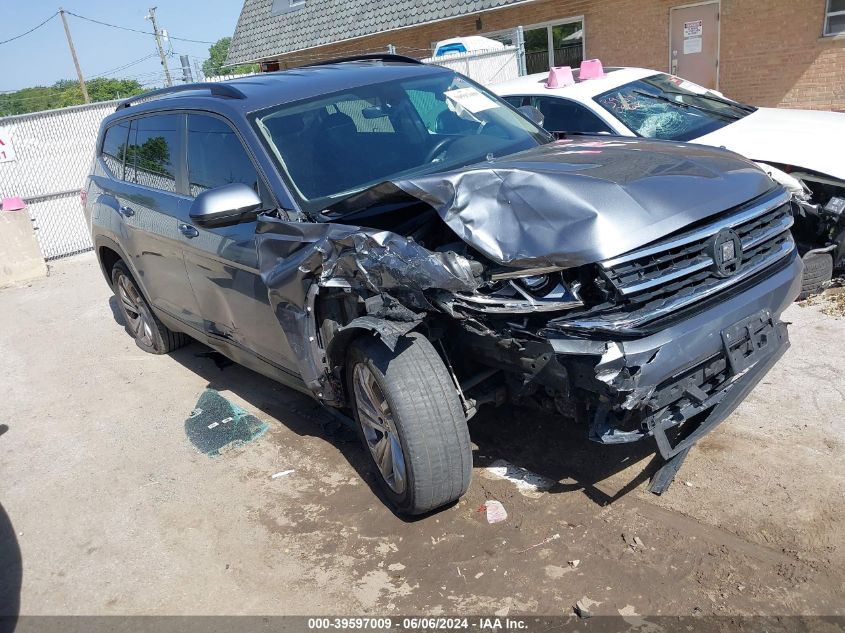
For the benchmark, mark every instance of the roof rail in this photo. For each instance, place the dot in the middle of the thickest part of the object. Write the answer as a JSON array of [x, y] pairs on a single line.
[[217, 89], [383, 57]]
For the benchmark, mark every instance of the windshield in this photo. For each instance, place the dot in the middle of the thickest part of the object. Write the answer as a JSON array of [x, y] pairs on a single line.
[[332, 146], [667, 107]]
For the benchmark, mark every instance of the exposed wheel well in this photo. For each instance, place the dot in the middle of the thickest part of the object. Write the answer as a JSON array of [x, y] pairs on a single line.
[[108, 258]]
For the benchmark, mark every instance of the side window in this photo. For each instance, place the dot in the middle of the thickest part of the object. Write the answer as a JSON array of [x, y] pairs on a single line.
[[563, 115], [216, 156], [152, 151], [114, 147], [518, 101]]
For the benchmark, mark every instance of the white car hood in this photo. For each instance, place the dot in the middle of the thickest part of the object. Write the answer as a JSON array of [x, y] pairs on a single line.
[[802, 138]]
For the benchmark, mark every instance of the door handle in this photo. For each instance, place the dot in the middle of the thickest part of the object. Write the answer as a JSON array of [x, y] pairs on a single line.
[[126, 212], [188, 231]]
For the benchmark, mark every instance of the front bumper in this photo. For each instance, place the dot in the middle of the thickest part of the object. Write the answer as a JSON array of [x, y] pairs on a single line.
[[680, 382]]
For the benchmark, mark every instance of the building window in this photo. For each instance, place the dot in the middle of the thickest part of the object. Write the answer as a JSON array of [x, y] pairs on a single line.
[[834, 19], [286, 6], [559, 43]]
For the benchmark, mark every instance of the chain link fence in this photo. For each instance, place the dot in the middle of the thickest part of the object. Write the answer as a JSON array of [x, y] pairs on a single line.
[[53, 154]]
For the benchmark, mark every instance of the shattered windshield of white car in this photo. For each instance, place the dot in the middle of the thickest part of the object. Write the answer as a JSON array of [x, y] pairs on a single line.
[[667, 107], [332, 146]]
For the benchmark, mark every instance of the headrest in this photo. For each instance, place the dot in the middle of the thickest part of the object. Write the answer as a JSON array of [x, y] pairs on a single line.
[[339, 120]]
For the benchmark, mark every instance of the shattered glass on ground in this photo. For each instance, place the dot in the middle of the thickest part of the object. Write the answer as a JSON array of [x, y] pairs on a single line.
[[217, 424]]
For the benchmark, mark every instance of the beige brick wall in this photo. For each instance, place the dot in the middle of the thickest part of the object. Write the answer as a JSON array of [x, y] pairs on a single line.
[[772, 52]]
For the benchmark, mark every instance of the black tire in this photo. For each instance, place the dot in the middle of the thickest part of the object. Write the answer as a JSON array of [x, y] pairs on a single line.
[[425, 410], [150, 334], [818, 270]]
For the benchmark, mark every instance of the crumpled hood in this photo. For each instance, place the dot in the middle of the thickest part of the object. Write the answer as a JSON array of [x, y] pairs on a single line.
[[575, 202], [808, 139]]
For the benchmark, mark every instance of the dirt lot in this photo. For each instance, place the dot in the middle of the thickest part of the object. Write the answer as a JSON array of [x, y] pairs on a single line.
[[113, 509]]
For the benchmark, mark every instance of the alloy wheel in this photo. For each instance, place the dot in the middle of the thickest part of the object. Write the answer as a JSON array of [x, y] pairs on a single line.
[[136, 313], [379, 428]]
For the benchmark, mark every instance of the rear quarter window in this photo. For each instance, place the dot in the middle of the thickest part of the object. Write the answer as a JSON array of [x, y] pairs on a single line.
[[114, 148], [153, 151]]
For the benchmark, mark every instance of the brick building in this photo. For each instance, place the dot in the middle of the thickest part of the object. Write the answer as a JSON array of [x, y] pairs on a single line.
[[788, 53]]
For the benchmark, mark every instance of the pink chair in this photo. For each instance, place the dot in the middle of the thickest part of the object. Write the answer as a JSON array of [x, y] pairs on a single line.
[[560, 76], [13, 204], [591, 69]]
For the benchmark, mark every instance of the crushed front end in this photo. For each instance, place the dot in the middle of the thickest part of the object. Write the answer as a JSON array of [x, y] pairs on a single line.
[[636, 292], [663, 341]]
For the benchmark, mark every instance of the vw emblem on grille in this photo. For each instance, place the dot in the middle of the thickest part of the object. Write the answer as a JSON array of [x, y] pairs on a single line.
[[726, 252]]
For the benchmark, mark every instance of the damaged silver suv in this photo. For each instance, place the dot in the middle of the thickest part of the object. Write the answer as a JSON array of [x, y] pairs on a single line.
[[399, 243]]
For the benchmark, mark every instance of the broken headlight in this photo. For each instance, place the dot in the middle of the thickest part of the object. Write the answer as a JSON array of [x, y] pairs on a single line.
[[523, 291]]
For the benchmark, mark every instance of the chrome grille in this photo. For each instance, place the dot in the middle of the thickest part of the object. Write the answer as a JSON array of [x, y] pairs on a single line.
[[682, 268]]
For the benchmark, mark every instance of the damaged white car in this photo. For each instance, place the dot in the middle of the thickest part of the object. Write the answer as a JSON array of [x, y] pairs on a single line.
[[801, 149]]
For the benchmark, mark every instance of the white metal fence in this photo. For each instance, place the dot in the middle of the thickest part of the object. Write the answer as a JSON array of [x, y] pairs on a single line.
[[53, 154]]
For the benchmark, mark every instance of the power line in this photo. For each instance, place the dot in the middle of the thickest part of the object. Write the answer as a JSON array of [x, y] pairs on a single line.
[[34, 28], [125, 66], [126, 28]]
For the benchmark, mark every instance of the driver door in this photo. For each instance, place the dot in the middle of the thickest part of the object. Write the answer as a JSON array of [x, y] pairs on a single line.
[[222, 262]]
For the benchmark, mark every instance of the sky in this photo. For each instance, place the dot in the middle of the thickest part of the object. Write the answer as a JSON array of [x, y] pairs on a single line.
[[43, 57]]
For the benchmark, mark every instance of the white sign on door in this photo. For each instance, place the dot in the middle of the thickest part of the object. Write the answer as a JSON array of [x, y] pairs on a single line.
[[7, 150], [692, 36], [694, 28]]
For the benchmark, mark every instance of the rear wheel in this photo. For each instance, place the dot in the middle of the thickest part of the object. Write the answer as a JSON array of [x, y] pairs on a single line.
[[411, 421], [818, 270], [150, 334]]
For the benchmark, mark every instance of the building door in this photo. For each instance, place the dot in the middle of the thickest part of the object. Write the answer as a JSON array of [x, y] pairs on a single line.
[[694, 43]]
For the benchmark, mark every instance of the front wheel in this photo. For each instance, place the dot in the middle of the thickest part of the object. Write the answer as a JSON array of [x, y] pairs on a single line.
[[818, 270], [411, 421]]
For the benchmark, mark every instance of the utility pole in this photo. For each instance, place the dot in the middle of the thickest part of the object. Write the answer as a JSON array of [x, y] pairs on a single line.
[[151, 16], [187, 76], [82, 85]]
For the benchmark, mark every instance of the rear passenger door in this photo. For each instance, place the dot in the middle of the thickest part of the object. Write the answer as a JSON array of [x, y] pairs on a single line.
[[145, 194], [222, 262]]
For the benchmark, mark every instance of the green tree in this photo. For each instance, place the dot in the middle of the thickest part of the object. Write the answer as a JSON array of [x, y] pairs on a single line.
[[217, 53], [65, 92]]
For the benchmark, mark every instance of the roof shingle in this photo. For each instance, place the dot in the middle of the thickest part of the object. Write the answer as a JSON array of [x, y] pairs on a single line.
[[262, 35]]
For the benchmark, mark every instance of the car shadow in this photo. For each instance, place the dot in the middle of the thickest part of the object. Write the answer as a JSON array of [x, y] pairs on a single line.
[[557, 448], [11, 574], [543, 443]]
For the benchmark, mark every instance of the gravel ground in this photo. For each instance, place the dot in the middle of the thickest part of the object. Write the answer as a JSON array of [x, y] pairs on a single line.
[[109, 508]]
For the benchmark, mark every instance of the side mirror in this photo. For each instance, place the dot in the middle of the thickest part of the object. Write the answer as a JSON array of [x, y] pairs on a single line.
[[228, 204], [532, 114]]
